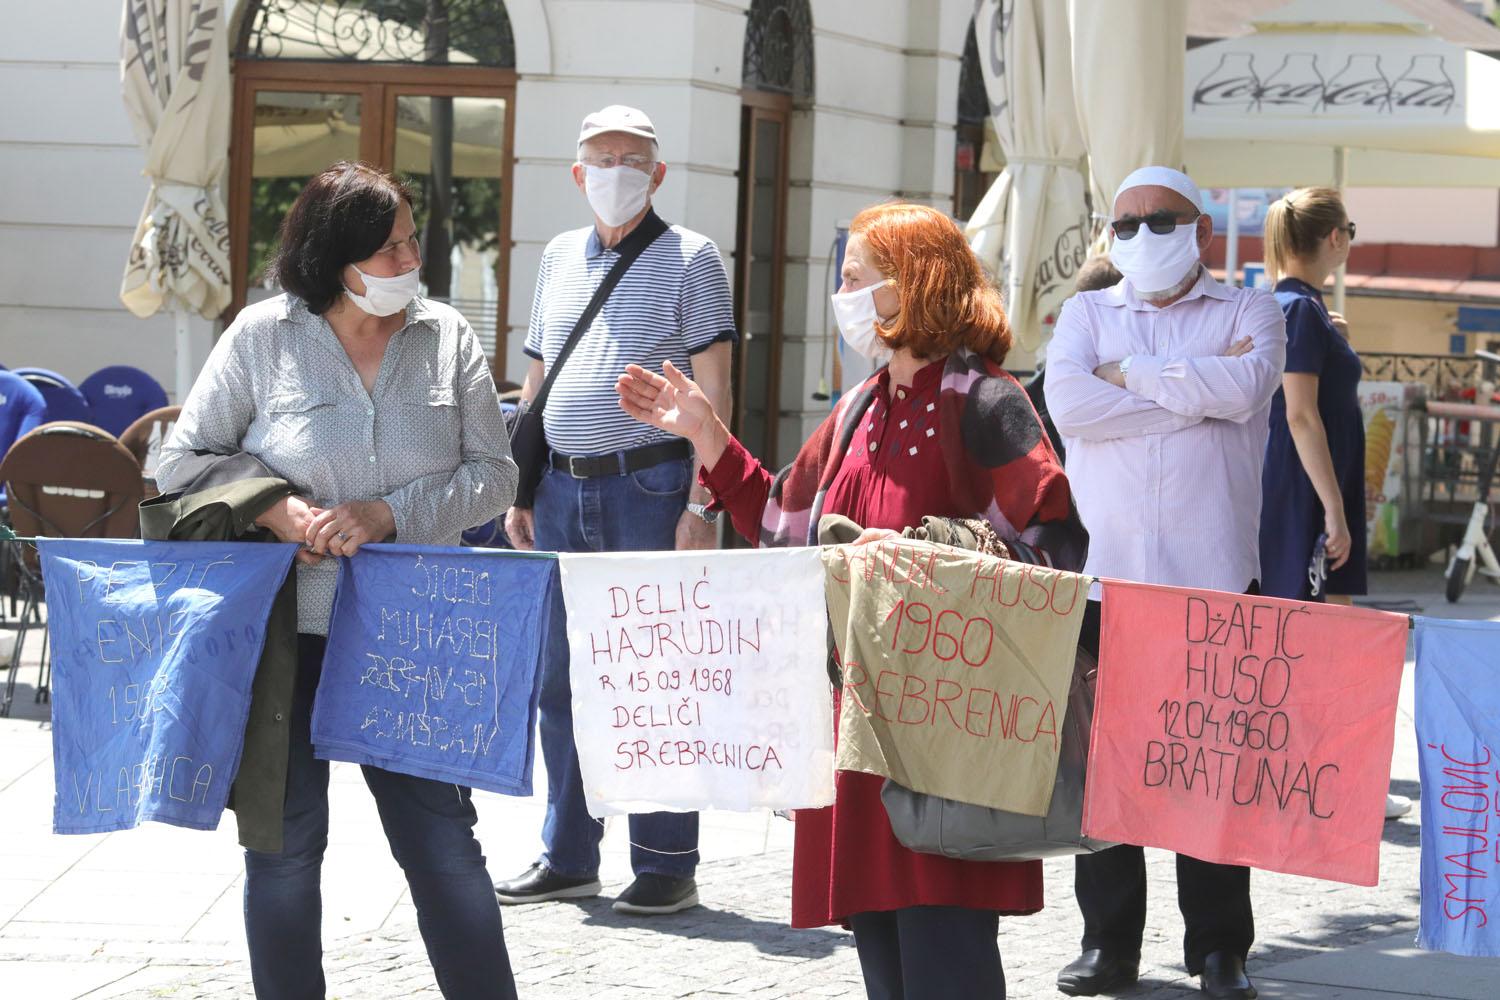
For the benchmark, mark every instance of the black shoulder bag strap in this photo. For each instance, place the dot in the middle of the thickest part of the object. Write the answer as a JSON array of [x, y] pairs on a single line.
[[527, 441], [630, 248]]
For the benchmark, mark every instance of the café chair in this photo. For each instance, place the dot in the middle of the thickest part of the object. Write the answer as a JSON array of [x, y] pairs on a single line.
[[63, 480]]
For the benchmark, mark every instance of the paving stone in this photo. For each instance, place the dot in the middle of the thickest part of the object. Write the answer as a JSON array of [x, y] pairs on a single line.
[[739, 944]]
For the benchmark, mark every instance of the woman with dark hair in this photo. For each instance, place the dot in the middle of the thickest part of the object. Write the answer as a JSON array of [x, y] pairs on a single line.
[[940, 430], [378, 407]]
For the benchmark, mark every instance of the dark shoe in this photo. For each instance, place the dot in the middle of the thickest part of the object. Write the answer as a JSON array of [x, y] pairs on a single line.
[[656, 894], [539, 883], [1223, 977], [1097, 971]]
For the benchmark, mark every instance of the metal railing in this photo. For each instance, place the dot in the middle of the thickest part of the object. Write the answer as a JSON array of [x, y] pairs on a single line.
[[1445, 375]]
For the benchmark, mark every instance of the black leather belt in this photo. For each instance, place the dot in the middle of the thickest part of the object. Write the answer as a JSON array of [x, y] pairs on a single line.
[[621, 463]]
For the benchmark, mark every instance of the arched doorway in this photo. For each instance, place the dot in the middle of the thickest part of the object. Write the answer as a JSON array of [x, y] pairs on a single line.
[[422, 87], [777, 71]]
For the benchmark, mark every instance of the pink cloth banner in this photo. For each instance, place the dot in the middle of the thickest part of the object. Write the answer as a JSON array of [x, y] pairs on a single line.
[[1245, 730]]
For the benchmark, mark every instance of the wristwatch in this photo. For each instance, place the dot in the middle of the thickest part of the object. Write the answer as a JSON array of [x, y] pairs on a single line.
[[1125, 366], [701, 510]]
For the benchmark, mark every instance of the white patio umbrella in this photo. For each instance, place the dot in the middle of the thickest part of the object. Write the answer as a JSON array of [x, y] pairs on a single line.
[[174, 71], [1032, 226], [1127, 78], [1340, 92]]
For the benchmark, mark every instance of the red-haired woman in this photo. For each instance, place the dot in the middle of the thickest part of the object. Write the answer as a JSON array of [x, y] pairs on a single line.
[[941, 430]]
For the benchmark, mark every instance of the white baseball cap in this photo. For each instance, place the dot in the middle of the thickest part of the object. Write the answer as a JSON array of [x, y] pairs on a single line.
[[617, 118]]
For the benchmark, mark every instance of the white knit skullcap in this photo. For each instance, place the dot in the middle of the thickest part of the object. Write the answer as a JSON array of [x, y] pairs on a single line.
[[1165, 177]]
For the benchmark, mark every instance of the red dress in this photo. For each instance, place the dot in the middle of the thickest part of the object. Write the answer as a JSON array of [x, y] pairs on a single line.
[[846, 858]]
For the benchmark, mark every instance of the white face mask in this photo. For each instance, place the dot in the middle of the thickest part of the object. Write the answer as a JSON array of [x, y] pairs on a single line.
[[1153, 263], [856, 316], [386, 296], [616, 194]]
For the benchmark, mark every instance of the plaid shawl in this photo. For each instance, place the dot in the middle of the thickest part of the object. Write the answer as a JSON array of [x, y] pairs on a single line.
[[1001, 466]]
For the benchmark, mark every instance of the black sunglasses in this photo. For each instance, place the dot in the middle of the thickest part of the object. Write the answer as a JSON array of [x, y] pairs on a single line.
[[1160, 223], [1348, 227]]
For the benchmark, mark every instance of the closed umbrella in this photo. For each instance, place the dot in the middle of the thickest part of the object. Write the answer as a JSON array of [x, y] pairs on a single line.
[[1032, 226], [174, 71], [1127, 77]]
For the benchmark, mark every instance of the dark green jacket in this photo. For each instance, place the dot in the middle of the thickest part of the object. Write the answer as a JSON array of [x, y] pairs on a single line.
[[227, 512]]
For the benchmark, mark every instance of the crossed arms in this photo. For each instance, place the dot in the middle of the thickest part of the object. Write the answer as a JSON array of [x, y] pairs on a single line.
[[1161, 394]]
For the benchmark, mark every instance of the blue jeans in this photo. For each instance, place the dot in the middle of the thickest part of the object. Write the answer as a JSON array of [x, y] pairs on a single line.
[[430, 826], [633, 513]]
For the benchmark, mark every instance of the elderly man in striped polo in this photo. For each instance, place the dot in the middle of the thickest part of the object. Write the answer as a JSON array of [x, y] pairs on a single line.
[[615, 484]]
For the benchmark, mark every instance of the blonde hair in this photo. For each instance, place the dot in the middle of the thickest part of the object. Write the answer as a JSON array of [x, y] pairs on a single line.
[[1297, 222]]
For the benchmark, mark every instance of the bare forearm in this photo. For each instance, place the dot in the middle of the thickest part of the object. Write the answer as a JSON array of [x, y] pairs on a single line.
[[709, 445], [1311, 439], [711, 370], [535, 373]]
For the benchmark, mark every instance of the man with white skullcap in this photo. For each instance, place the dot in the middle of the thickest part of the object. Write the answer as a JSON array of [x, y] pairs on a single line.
[[1161, 387]]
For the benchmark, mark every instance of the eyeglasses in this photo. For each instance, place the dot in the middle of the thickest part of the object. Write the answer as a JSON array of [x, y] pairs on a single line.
[[413, 242], [1160, 223], [1348, 227], [609, 161]]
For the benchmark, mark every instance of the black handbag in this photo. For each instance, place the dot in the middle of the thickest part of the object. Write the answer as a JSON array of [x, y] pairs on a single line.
[[528, 441]]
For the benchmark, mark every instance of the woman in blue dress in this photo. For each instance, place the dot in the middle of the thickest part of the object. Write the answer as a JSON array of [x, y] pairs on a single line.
[[1314, 478]]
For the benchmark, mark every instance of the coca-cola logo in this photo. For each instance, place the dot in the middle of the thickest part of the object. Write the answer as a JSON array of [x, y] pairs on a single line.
[[1069, 251], [1301, 81]]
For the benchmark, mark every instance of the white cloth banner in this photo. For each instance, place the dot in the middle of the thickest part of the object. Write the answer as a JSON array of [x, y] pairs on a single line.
[[700, 680]]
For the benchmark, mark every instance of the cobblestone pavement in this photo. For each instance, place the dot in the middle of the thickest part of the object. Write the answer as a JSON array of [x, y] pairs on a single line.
[[739, 945]]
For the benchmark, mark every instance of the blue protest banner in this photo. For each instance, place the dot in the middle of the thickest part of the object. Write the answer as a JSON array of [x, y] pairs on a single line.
[[432, 663], [1458, 736], [154, 647]]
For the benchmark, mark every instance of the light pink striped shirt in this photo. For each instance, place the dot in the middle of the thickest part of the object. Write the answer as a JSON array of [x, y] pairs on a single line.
[[1166, 472]]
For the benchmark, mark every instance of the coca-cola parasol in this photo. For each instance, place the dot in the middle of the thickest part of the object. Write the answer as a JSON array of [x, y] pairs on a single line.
[[1362, 76], [1341, 92], [1032, 227]]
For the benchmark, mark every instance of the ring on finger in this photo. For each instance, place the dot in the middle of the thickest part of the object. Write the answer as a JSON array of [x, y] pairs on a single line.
[[343, 536]]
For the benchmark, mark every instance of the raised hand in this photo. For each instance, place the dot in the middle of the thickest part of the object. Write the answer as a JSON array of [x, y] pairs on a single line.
[[672, 402]]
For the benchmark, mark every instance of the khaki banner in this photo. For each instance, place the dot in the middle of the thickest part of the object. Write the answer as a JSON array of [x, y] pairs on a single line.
[[956, 669]]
